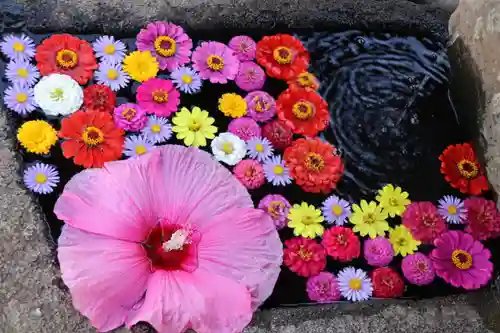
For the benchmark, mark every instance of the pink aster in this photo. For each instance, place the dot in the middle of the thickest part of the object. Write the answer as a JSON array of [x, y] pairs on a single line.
[[483, 219], [148, 239], [250, 173], [418, 269], [323, 288], [244, 127], [158, 96], [261, 106], [130, 117], [244, 47], [250, 76], [215, 62], [167, 42], [424, 221]]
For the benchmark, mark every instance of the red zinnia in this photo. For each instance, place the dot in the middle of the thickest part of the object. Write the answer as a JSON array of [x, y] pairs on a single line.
[[483, 220], [66, 54], [98, 97], [283, 56], [304, 256], [424, 221], [314, 165], [91, 138], [278, 132], [303, 110], [461, 169], [387, 283], [341, 244]]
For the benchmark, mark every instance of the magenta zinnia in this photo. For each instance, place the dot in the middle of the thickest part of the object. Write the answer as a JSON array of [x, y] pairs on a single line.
[[215, 62]]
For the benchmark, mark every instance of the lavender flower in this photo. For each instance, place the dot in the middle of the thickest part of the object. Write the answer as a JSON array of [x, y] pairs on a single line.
[[336, 210], [136, 145], [20, 99], [109, 50], [157, 129], [41, 178], [260, 149], [276, 172], [452, 209], [112, 76], [354, 284], [186, 80], [22, 73], [18, 48]]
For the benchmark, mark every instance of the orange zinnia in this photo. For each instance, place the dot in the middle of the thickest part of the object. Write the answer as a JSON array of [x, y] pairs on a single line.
[[91, 138]]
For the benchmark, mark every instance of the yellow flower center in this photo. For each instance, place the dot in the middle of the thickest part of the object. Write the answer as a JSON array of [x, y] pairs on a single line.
[[337, 210], [304, 254], [18, 47], [461, 259], [260, 105], [160, 96], [283, 55], [186, 79], [314, 162], [452, 209], [112, 74], [165, 46], [259, 148], [21, 97], [66, 59], [22, 72], [92, 136], [278, 170], [110, 49], [215, 63], [156, 128], [40, 178], [355, 284], [57, 94], [303, 110], [369, 218], [401, 242], [129, 113], [393, 202], [227, 148], [274, 208], [194, 126], [468, 169], [308, 219], [305, 79], [140, 149]]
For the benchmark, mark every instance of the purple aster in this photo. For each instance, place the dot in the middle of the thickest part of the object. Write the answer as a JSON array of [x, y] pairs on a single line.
[[452, 209], [245, 128], [136, 145], [336, 210], [261, 106], [109, 50], [259, 148], [354, 284], [276, 172], [186, 80], [250, 76], [244, 47], [41, 178], [323, 288], [418, 269], [157, 129], [378, 251], [112, 76], [18, 48], [277, 207], [22, 73], [20, 99]]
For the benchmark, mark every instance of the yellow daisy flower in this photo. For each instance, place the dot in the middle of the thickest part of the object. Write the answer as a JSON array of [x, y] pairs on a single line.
[[369, 219], [402, 241], [233, 105], [140, 65], [194, 127], [37, 136], [393, 200], [306, 220]]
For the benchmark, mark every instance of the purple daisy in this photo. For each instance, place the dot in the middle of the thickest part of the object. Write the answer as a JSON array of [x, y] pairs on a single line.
[[245, 128], [157, 129], [109, 50], [186, 80], [20, 99], [277, 207], [452, 209], [378, 251], [22, 73], [250, 76], [354, 284], [259, 148], [112, 76], [167, 42], [323, 288], [41, 178], [276, 172], [130, 117], [244, 47], [260, 106], [418, 269], [336, 210], [215, 62], [136, 145], [18, 48]]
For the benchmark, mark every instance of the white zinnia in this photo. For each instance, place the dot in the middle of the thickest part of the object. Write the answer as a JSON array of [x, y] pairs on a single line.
[[354, 284], [228, 148], [58, 94]]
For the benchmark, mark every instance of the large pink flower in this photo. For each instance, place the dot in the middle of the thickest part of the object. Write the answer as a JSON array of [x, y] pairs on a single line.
[[158, 96], [215, 62], [147, 239]]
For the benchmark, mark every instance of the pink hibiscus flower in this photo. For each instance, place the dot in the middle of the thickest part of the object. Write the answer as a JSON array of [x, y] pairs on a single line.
[[158, 96]]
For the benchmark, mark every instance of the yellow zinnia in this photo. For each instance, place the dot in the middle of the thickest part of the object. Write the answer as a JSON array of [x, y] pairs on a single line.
[[393, 200], [37, 136], [306, 220], [233, 105], [194, 127], [402, 241], [369, 219], [140, 65]]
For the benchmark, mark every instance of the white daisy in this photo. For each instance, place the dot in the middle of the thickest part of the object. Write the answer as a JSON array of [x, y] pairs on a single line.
[[228, 148], [354, 284], [58, 94]]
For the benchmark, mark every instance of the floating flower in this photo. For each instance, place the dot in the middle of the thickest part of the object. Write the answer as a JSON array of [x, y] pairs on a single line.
[[276, 171], [20, 99], [378, 251], [215, 62], [483, 220], [250, 173], [232, 105], [22, 73], [158, 96], [452, 209], [304, 111], [186, 80], [423, 221], [323, 288], [109, 50], [58, 94], [194, 127], [354, 284], [402, 241], [140, 66], [260, 106], [461, 261], [393, 200], [303, 256], [387, 283], [283, 56], [41, 178], [157, 129], [122, 265], [112, 76], [18, 48], [461, 169], [91, 138], [167, 42], [137, 145], [244, 47], [280, 135], [250, 76], [304, 80], [277, 207], [314, 165], [244, 127], [336, 210], [418, 269], [130, 117], [369, 219], [228, 148], [66, 54], [37, 136], [341, 244], [305, 220], [259, 148], [98, 97]]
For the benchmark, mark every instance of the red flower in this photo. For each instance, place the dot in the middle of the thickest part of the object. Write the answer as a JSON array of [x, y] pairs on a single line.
[[387, 283], [303, 110], [304, 256], [314, 165], [283, 56], [483, 220], [305, 80], [99, 97], [461, 169], [91, 138], [68, 55], [424, 221], [278, 132], [341, 244]]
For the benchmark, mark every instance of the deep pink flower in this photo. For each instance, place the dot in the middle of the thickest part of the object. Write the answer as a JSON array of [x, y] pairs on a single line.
[[323, 288], [424, 221], [277, 207], [130, 117], [215, 62], [417, 269], [244, 127], [483, 219], [158, 96], [261, 106], [378, 252], [250, 76], [244, 47], [304, 256], [250, 173]]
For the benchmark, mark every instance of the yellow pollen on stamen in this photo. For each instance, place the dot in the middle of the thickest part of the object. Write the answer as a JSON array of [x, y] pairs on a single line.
[[66, 59], [165, 46], [18, 47], [21, 97], [215, 63], [112, 74], [156, 128], [305, 254], [369, 218], [194, 126], [22, 72], [278, 170], [227, 148], [314, 162], [92, 136], [452, 209], [355, 284], [57, 94], [40, 178], [282, 55], [110, 49], [461, 259], [160, 96], [303, 110], [186, 79], [305, 79], [129, 113], [259, 147], [273, 208], [468, 169], [140, 149], [337, 210]]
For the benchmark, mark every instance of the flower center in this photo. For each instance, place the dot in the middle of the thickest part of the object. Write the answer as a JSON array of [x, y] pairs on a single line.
[[227, 148], [194, 126], [250, 172], [244, 47], [275, 209], [278, 170], [18, 47], [100, 98], [251, 74], [461, 259], [110, 49], [260, 105], [421, 266], [341, 239], [165, 46], [282, 55], [401, 242], [156, 128], [308, 219], [355, 284], [92, 136], [369, 218], [428, 220], [314, 162], [303, 110], [337, 210], [452, 209], [66, 59], [129, 113], [468, 169], [187, 79], [304, 254], [22, 72], [57, 94], [140, 149], [304, 80], [21, 97], [112, 74], [40, 178], [259, 147], [160, 96], [393, 202], [215, 63]]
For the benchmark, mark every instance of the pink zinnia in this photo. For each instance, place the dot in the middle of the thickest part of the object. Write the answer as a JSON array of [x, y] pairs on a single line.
[[148, 239], [483, 220], [461, 261], [245, 128], [277, 207], [130, 117], [215, 62], [244, 47], [250, 173], [378, 252], [250, 76], [323, 288], [167, 42], [261, 106], [417, 269], [158, 96], [424, 221]]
